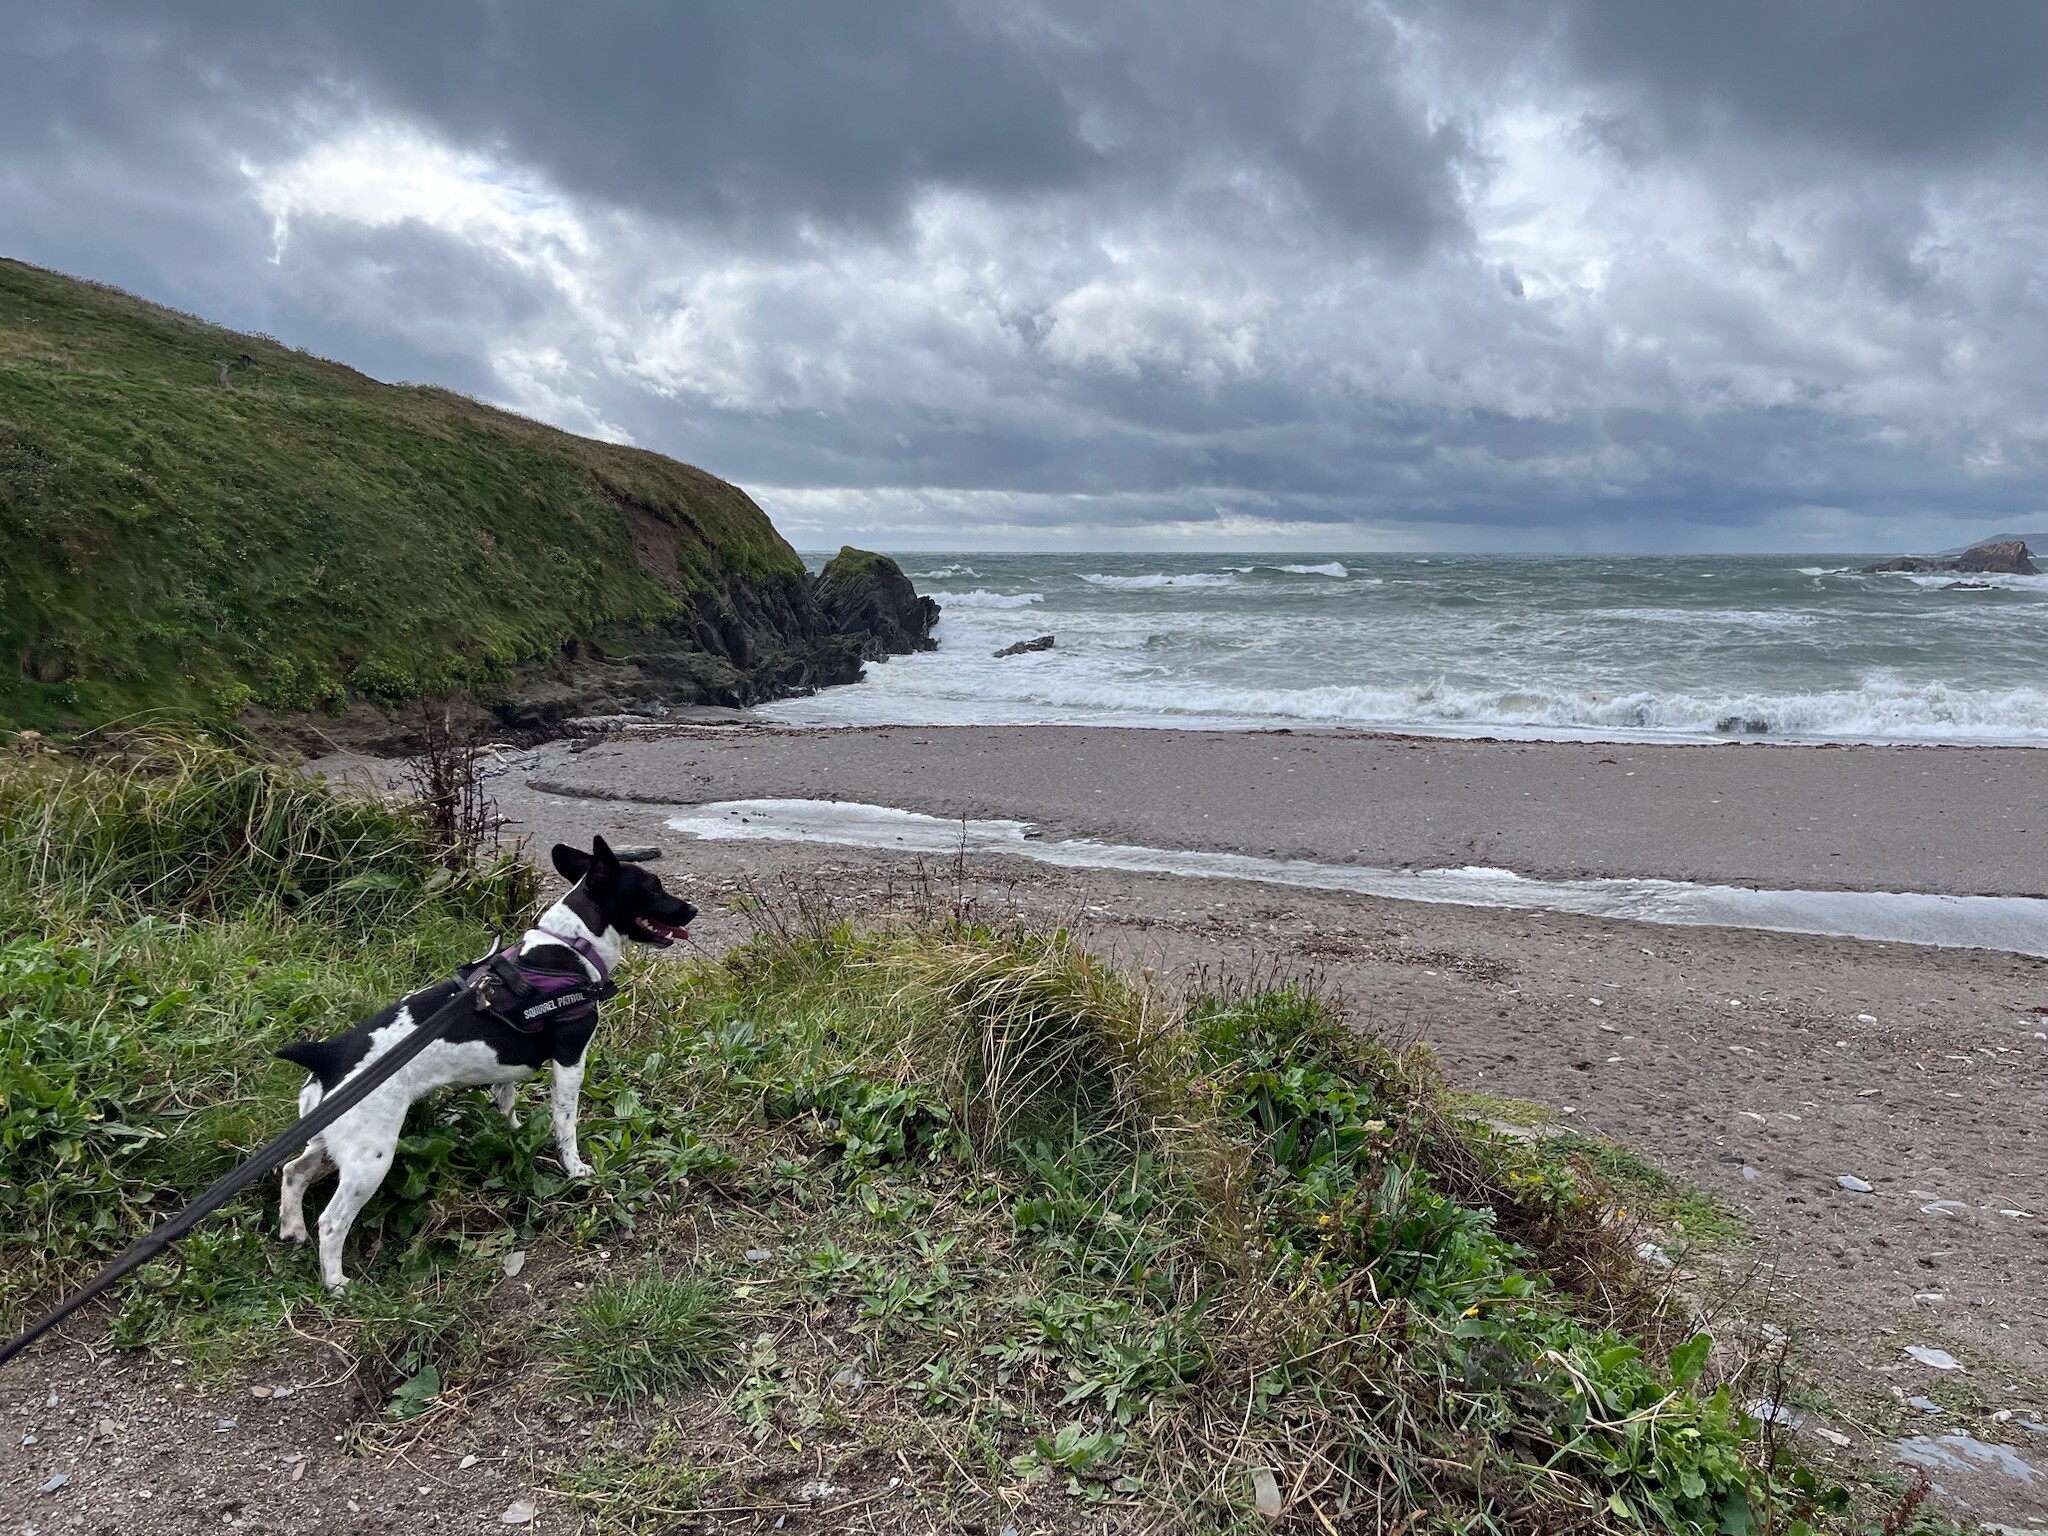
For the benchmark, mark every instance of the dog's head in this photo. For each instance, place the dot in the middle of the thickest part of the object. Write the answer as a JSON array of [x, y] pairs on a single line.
[[624, 896]]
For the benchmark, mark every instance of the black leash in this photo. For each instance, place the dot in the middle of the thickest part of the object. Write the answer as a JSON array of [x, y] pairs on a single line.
[[325, 1113]]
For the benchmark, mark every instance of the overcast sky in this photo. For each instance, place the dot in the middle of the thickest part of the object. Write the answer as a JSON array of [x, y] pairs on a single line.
[[1598, 274]]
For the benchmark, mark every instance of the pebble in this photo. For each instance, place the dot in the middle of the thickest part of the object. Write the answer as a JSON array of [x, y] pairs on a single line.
[[1266, 1492], [515, 1261], [1937, 1359], [1777, 1414], [1854, 1185], [518, 1512], [52, 1483], [1750, 1173], [1924, 1404], [759, 1255], [1866, 1018], [1833, 1437], [1945, 1208], [465, 1464], [1959, 1453], [639, 853]]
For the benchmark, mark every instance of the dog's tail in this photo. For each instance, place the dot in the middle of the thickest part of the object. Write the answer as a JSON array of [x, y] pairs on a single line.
[[317, 1057]]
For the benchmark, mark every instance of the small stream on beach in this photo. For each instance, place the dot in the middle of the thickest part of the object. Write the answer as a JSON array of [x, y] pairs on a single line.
[[2015, 923]]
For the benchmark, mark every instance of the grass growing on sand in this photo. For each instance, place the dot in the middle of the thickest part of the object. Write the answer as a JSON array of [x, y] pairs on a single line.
[[946, 1204]]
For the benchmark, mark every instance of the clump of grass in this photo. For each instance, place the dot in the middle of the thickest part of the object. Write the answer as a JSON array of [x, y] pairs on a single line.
[[645, 1334], [154, 824], [1131, 1248]]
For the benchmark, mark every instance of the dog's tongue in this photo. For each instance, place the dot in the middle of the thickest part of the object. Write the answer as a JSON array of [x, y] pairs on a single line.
[[665, 930]]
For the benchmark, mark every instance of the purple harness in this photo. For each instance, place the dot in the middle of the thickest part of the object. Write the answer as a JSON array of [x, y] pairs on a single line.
[[530, 996]]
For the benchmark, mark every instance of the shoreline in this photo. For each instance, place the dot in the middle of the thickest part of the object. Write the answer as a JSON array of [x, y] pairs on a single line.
[[791, 708], [1947, 820]]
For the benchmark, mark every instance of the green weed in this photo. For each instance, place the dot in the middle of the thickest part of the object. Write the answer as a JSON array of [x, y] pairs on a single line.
[[648, 1334]]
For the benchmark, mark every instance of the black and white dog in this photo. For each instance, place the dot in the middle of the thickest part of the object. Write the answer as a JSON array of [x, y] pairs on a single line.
[[578, 940]]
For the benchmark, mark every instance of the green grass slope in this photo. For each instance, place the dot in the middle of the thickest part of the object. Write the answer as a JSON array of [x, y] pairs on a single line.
[[953, 1227], [286, 531]]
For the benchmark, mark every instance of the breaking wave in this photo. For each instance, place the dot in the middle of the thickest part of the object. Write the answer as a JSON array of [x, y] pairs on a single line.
[[1334, 568], [1879, 711], [981, 597], [1753, 618], [1161, 579]]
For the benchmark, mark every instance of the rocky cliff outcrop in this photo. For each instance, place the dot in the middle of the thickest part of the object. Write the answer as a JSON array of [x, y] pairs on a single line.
[[2002, 557], [867, 598], [280, 540]]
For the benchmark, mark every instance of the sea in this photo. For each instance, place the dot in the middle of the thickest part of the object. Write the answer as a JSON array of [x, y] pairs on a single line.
[[1768, 648]]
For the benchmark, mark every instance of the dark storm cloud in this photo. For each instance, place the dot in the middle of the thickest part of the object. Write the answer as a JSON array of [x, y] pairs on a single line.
[[1875, 77], [1496, 272]]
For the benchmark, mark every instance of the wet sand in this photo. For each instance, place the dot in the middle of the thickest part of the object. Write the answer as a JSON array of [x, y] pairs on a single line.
[[1957, 821]]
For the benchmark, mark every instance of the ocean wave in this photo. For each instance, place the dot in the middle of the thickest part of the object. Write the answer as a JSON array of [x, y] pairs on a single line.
[[1161, 579], [1881, 709], [945, 572], [981, 597], [1942, 580], [1332, 569], [1753, 618]]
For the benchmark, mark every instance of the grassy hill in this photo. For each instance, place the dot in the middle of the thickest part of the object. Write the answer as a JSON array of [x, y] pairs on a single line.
[[199, 519]]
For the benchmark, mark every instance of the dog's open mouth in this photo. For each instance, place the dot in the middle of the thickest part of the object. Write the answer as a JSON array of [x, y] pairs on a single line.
[[660, 935]]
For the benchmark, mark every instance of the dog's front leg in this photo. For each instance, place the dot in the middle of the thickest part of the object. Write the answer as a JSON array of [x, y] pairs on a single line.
[[506, 1097], [567, 1092]]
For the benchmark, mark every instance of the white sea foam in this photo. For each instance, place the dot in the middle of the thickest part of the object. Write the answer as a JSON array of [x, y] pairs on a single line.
[[1876, 712], [1754, 618], [1161, 579], [981, 597], [1942, 580], [1334, 568], [946, 572], [2017, 923]]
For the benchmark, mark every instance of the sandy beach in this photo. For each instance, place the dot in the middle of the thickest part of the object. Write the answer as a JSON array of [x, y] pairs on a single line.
[[1763, 1066]]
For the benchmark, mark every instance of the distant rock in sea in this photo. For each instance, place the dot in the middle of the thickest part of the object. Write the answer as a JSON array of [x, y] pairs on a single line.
[[1042, 643], [2002, 557]]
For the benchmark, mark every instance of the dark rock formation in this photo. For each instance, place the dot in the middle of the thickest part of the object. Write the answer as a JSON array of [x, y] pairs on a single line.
[[2004, 557], [866, 598], [1042, 643]]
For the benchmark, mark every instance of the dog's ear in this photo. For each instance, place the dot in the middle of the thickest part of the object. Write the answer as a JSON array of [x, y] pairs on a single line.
[[604, 864], [570, 863]]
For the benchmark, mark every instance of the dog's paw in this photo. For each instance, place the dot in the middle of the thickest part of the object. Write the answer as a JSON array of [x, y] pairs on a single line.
[[293, 1234], [576, 1168], [337, 1288]]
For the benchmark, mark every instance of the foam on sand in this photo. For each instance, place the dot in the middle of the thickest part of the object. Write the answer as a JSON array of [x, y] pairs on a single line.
[[2016, 923]]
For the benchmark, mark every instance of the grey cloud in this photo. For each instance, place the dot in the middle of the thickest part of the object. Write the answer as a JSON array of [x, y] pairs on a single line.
[[1185, 261], [1896, 77]]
